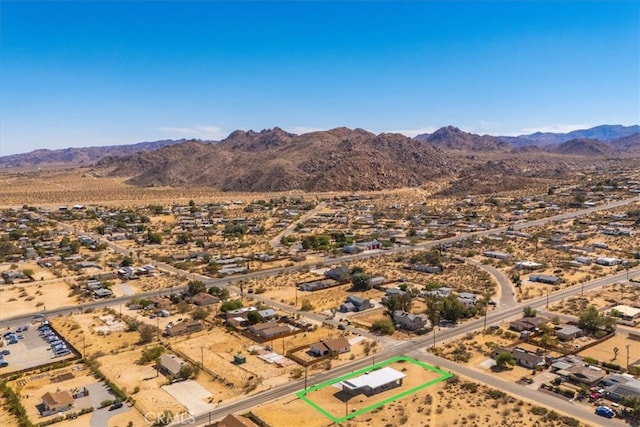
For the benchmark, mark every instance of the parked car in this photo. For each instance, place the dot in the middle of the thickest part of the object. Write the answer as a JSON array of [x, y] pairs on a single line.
[[116, 405], [5, 352], [3, 363], [605, 411]]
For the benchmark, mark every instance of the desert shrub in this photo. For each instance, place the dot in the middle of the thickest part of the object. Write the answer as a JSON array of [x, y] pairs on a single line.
[[612, 366], [590, 361], [495, 394], [471, 387], [383, 326], [569, 421], [538, 410]]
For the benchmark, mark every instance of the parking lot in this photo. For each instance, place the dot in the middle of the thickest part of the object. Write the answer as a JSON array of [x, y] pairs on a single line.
[[31, 348]]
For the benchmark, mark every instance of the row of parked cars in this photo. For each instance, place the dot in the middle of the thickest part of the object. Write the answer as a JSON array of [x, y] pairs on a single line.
[[58, 346], [4, 353], [11, 337]]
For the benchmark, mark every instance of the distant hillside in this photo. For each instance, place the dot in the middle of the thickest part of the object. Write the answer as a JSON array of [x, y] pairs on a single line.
[[452, 138], [583, 147], [627, 143], [602, 133], [274, 160], [84, 155]]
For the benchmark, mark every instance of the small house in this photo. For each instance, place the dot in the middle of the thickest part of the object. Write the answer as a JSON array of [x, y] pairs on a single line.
[[545, 278], [410, 321], [569, 332], [527, 324], [102, 293], [183, 328], [497, 255], [269, 330], [339, 273], [468, 299], [56, 402], [355, 303], [607, 261], [330, 346], [170, 364], [204, 299], [522, 357]]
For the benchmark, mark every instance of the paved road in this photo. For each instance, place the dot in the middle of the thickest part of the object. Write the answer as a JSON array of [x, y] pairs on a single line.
[[415, 348], [508, 309], [275, 242]]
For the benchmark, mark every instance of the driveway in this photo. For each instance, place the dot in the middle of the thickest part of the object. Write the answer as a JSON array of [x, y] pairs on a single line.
[[192, 395]]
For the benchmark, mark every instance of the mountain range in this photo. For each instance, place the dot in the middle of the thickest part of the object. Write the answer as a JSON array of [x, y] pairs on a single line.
[[345, 159], [83, 155]]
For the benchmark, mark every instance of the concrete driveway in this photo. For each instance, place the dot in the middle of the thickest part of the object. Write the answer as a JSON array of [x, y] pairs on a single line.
[[192, 395]]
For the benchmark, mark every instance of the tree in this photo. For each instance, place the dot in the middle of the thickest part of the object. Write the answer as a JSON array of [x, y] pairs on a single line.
[[183, 238], [361, 282], [126, 261], [306, 305], [222, 293], [504, 359], [254, 317], [29, 273], [397, 302], [194, 287], [230, 305], [433, 257], [383, 326], [150, 354], [451, 309], [154, 238], [529, 312], [188, 371], [200, 313], [182, 307], [548, 340], [592, 321], [146, 333], [75, 247], [633, 403]]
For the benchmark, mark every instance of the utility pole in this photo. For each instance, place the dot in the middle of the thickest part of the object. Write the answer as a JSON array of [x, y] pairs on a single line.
[[434, 337], [547, 298], [485, 317], [628, 357], [202, 358], [306, 366]]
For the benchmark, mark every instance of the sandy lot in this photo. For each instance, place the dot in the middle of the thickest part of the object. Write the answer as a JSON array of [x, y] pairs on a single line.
[[123, 370], [441, 405], [604, 350], [21, 300]]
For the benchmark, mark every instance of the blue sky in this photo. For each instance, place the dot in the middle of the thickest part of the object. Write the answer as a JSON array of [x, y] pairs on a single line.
[[100, 73]]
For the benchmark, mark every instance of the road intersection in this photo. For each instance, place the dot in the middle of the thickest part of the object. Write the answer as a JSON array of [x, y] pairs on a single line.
[[507, 306]]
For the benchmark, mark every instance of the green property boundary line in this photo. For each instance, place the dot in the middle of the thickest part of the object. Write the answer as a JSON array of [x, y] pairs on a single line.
[[303, 393]]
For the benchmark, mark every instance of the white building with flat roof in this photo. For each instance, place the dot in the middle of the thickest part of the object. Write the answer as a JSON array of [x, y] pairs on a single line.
[[373, 382]]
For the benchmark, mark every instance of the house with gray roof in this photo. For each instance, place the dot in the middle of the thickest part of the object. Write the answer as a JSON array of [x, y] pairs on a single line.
[[410, 321], [568, 332], [355, 303]]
